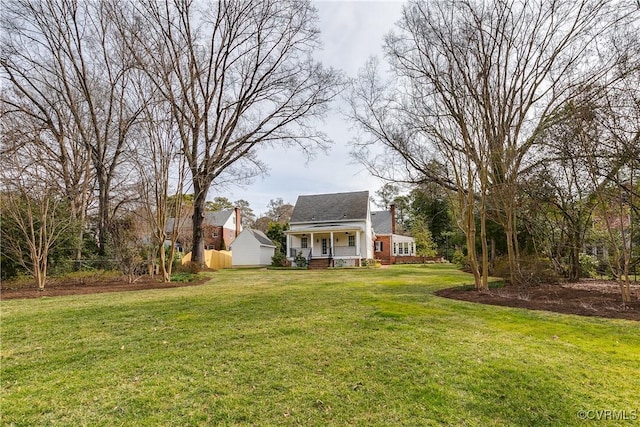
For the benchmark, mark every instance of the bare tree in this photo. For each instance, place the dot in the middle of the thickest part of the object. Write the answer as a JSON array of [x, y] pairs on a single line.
[[70, 52], [614, 168], [478, 81], [36, 123], [160, 168], [33, 216], [279, 211], [237, 75]]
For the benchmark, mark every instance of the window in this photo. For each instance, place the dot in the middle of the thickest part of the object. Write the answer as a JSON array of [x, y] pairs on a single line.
[[214, 233], [352, 241], [379, 246], [304, 242], [402, 248]]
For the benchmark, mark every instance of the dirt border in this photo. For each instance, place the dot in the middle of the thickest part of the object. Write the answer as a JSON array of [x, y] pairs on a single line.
[[95, 287], [586, 298]]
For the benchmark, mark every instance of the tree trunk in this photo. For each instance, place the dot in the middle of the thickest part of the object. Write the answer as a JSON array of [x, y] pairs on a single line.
[[166, 275], [104, 206], [485, 249], [515, 276], [197, 253]]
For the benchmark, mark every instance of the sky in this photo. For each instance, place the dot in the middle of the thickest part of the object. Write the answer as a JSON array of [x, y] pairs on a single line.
[[351, 32]]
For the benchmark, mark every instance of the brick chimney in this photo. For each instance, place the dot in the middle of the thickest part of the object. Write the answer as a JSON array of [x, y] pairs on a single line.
[[238, 220], [393, 218]]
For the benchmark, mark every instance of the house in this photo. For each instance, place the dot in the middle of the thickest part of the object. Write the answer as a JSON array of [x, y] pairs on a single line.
[[331, 230], [252, 248], [389, 247], [220, 229]]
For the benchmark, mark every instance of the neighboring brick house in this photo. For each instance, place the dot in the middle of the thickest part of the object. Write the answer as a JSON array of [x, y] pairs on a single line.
[[220, 226], [389, 247]]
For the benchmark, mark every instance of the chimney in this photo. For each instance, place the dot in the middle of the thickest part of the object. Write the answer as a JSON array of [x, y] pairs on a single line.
[[393, 218], [238, 221]]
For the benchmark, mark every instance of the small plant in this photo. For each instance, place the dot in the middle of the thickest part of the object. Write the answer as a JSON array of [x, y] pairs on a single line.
[[184, 277], [371, 263], [300, 260]]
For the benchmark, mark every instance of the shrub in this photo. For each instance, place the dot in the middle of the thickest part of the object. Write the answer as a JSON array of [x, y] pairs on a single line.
[[371, 263], [459, 258], [534, 270], [588, 265], [300, 260], [190, 268], [279, 259]]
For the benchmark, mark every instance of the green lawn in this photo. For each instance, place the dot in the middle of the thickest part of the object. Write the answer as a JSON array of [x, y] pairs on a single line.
[[338, 347]]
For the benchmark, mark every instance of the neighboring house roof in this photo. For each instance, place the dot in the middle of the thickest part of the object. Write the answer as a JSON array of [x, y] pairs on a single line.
[[217, 218], [331, 207], [381, 222]]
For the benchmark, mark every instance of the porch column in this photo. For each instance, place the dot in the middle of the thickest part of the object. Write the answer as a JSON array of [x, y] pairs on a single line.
[[331, 246], [312, 243], [358, 243], [288, 245]]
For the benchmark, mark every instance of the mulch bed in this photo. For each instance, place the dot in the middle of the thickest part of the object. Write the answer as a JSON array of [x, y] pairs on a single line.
[[597, 298], [98, 285]]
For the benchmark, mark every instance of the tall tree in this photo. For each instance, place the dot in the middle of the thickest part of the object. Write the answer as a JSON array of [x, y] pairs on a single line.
[[248, 217], [279, 211], [477, 82], [159, 166], [68, 52], [219, 204], [237, 75]]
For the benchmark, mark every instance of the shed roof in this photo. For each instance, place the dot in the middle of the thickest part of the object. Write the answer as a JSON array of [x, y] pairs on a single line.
[[260, 237]]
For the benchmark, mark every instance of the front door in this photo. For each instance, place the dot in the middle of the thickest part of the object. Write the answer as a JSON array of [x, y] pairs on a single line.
[[325, 246]]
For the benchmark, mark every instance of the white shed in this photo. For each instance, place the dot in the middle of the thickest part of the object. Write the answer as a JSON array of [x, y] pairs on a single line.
[[252, 248]]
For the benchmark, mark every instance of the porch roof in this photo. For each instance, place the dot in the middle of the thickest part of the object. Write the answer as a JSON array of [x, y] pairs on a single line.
[[325, 229]]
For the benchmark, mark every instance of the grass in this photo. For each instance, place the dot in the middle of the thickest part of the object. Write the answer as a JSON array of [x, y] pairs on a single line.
[[351, 347]]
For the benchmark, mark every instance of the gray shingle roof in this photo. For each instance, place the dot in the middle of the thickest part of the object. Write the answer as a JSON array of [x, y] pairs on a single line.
[[381, 222], [261, 237], [331, 207], [217, 218]]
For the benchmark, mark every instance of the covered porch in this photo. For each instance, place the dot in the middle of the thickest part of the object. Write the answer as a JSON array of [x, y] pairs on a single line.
[[341, 246]]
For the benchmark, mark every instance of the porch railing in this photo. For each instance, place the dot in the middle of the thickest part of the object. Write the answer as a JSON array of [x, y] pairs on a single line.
[[339, 251], [345, 251]]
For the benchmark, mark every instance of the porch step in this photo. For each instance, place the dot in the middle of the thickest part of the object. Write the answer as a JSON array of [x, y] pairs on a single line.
[[319, 263]]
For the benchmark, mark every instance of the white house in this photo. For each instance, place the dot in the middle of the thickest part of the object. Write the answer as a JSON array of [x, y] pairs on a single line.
[[331, 229], [252, 248]]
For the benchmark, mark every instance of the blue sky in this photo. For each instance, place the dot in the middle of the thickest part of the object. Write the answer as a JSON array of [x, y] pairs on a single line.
[[352, 31]]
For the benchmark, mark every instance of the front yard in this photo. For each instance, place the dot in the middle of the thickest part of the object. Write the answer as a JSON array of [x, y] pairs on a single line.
[[338, 347]]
